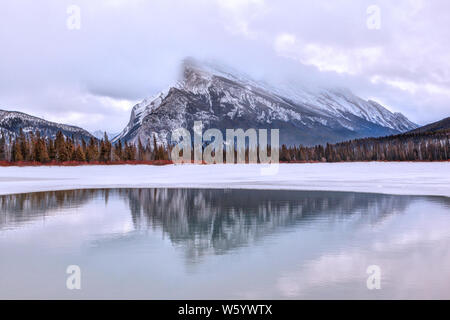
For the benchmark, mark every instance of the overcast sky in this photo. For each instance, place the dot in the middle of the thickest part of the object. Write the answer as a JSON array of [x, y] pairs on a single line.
[[396, 52]]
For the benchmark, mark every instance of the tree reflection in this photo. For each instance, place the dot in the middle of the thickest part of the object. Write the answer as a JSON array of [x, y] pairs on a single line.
[[205, 221]]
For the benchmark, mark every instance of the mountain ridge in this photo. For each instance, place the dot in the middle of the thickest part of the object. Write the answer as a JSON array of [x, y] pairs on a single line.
[[11, 122], [222, 99]]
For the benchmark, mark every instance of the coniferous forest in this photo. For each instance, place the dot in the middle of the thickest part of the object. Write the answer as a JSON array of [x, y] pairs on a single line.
[[31, 148], [414, 146]]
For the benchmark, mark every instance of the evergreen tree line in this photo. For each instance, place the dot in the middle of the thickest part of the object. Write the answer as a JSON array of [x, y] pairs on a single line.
[[32, 147], [428, 146]]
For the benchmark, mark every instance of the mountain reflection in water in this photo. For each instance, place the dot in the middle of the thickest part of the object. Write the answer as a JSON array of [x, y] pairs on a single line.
[[296, 239], [212, 219]]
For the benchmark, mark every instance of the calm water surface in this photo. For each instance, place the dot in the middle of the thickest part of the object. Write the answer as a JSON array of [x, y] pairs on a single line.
[[223, 244]]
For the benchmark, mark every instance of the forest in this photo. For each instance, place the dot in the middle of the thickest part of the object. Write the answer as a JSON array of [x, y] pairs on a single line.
[[414, 146], [31, 148]]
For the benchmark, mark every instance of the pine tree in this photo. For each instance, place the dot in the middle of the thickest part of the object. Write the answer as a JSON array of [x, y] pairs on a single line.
[[92, 151], [118, 153], [84, 146], [140, 150], [3, 148], [70, 148], [155, 148], [51, 151], [16, 152], [108, 148], [24, 146], [105, 149], [42, 151], [61, 148], [34, 156], [79, 154], [129, 152]]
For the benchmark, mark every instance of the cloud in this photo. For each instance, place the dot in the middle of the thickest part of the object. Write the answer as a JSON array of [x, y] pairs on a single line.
[[129, 50], [414, 239], [285, 43]]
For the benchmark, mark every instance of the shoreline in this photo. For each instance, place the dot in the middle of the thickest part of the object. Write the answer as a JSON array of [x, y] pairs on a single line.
[[21, 164], [402, 178]]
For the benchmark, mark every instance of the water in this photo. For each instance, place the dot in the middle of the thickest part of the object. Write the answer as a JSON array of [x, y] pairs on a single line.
[[223, 244]]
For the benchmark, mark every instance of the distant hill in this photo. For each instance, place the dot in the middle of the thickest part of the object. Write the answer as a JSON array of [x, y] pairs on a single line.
[[11, 122], [441, 125]]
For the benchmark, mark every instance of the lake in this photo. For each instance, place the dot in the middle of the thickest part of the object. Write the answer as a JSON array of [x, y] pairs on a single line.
[[223, 244]]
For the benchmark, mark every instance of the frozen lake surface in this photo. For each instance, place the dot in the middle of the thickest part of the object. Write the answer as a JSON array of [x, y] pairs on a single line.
[[413, 178]]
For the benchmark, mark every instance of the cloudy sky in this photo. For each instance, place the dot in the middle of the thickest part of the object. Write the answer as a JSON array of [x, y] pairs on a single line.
[[395, 52]]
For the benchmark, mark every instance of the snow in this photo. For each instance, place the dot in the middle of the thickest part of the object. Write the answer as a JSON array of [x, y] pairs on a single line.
[[412, 178], [328, 101], [140, 111], [246, 98], [10, 121]]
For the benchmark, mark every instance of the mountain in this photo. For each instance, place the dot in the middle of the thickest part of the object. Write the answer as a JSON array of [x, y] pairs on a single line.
[[442, 125], [99, 134], [12, 121], [223, 98]]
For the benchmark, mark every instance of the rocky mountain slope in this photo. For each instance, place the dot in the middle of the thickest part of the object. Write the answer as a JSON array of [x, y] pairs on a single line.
[[12, 121], [224, 99]]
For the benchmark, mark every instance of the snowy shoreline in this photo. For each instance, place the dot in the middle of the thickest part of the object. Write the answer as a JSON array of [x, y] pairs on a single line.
[[407, 178]]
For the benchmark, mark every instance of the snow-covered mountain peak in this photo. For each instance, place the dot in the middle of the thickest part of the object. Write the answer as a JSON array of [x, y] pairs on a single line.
[[336, 101], [219, 95], [213, 68]]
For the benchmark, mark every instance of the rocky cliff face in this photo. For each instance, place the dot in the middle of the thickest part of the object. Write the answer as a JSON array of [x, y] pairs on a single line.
[[225, 99]]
